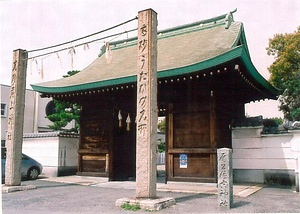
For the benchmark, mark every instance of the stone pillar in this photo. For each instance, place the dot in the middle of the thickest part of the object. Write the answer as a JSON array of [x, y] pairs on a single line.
[[225, 178], [146, 120], [14, 135]]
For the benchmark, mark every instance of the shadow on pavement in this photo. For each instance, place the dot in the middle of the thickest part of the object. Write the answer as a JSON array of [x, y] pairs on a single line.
[[191, 197], [240, 204], [45, 184]]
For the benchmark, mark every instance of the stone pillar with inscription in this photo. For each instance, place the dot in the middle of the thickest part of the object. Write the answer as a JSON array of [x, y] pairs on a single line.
[[146, 120], [14, 135], [225, 178]]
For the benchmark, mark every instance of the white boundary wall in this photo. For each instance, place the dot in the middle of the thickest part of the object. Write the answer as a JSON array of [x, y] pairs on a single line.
[[263, 158], [161, 158], [57, 154]]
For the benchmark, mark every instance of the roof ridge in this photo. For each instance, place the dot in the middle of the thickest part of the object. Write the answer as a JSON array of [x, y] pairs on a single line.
[[220, 18], [225, 19]]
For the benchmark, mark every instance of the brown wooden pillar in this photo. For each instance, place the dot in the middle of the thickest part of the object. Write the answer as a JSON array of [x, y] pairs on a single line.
[[213, 133]]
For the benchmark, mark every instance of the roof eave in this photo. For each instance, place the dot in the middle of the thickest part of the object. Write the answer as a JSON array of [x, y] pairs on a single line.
[[237, 52], [257, 76], [225, 57]]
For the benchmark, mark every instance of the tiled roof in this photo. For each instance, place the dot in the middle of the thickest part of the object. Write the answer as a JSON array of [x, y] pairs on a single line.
[[181, 50], [50, 134]]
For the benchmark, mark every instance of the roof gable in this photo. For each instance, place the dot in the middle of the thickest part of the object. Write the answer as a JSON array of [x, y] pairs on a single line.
[[181, 50]]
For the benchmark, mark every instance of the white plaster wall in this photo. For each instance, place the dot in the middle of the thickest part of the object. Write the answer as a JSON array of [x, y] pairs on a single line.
[[161, 158], [44, 150], [56, 154], [253, 151], [68, 155]]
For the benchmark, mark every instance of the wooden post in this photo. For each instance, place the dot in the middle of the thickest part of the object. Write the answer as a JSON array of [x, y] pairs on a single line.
[[14, 137], [169, 162], [146, 121], [212, 131]]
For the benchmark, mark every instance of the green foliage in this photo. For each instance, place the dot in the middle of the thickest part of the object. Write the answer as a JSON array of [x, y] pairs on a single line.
[[162, 126], [71, 73], [278, 120], [285, 72], [290, 98], [127, 206], [65, 112], [161, 147]]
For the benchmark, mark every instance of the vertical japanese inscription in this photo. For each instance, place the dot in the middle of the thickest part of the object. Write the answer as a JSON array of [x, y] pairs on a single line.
[[142, 79], [15, 122], [12, 98], [146, 120], [225, 188]]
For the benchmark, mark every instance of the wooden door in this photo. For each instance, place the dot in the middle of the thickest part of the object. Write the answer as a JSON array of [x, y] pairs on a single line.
[[94, 142], [123, 153], [191, 136]]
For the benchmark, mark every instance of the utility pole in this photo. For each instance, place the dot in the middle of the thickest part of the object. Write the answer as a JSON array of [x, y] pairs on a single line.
[[14, 137], [146, 121]]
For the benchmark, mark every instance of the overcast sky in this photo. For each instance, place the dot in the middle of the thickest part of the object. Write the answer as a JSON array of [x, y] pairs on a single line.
[[35, 24]]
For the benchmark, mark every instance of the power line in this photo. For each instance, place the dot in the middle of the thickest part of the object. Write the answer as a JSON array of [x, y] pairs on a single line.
[[68, 48], [54, 46]]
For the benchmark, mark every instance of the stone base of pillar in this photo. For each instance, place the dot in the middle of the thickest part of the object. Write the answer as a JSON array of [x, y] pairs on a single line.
[[147, 203], [8, 189]]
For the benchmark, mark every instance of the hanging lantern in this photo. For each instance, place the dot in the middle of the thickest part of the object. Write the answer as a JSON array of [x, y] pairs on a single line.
[[128, 121], [120, 118]]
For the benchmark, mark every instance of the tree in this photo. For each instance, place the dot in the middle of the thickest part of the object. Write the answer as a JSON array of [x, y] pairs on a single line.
[[285, 71], [162, 126], [64, 112]]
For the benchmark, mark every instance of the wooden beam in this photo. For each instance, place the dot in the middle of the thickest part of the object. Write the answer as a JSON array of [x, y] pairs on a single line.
[[192, 150]]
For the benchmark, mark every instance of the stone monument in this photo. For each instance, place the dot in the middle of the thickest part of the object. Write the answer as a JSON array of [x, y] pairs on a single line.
[[14, 137], [225, 178], [146, 139], [146, 120]]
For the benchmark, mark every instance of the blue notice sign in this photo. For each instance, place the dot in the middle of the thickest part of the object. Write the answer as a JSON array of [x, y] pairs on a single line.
[[182, 160]]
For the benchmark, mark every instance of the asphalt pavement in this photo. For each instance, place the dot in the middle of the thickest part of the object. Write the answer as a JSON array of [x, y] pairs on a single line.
[[75, 194]]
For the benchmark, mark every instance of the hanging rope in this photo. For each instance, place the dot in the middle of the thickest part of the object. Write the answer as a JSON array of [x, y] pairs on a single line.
[[93, 34], [68, 48]]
